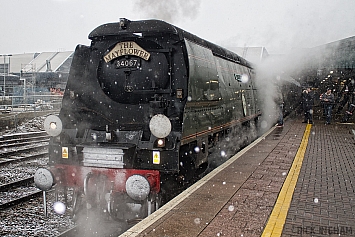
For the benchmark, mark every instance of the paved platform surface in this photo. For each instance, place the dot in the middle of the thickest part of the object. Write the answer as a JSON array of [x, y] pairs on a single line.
[[323, 203], [238, 198]]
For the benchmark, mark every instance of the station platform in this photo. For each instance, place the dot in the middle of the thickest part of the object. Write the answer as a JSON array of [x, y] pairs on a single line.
[[298, 180]]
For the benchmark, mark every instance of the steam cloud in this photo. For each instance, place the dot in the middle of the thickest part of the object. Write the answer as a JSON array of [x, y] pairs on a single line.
[[267, 91], [272, 75], [170, 11], [239, 137]]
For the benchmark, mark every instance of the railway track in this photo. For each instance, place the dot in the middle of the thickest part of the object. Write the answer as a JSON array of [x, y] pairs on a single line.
[[16, 137], [18, 192], [20, 199], [16, 174], [20, 147], [20, 155], [23, 182], [17, 158], [21, 203], [70, 232]]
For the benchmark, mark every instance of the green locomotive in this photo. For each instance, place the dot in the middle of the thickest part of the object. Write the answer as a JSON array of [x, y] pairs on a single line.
[[144, 104]]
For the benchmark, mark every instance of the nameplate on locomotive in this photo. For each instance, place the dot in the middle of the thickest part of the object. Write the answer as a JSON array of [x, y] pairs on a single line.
[[126, 48]]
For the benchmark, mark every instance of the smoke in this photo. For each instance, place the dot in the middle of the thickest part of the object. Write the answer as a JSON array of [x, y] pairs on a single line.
[[315, 67], [239, 137], [267, 92], [271, 76], [92, 223], [171, 11]]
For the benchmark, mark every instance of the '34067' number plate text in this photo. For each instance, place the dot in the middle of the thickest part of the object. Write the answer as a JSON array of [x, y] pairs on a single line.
[[134, 63]]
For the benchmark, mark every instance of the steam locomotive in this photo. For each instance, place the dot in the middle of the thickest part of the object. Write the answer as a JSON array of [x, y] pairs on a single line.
[[143, 105]]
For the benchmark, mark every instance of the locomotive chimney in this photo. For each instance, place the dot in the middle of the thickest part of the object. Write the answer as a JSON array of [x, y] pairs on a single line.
[[123, 23]]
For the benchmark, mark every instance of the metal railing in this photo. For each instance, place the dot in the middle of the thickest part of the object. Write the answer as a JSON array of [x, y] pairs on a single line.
[[32, 102]]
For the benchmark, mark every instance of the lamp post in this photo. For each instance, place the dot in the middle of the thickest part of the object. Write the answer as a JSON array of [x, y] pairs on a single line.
[[4, 55], [24, 91]]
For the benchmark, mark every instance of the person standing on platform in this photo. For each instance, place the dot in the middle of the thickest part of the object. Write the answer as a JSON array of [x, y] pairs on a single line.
[[308, 99], [328, 99], [280, 107]]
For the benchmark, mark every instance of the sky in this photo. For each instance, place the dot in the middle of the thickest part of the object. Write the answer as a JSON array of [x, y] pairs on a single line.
[[278, 25]]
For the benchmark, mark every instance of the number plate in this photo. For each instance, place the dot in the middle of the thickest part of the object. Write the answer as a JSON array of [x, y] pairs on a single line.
[[130, 63]]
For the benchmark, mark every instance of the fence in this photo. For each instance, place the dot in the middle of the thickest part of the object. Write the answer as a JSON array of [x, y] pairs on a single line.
[[39, 102]]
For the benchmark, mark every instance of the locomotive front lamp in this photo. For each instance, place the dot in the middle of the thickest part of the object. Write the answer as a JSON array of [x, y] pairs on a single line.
[[53, 125], [161, 142]]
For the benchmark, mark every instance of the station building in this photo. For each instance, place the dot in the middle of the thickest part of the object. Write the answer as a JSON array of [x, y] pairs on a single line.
[[31, 77]]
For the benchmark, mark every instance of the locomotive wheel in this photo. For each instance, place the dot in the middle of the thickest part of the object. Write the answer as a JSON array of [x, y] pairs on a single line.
[[122, 208], [202, 171], [154, 203], [77, 204], [186, 168], [116, 207]]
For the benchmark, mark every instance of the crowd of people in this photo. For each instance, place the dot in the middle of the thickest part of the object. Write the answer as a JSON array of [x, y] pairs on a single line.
[[328, 102]]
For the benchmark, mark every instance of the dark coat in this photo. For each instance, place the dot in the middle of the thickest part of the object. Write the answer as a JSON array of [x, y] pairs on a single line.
[[307, 100], [327, 99]]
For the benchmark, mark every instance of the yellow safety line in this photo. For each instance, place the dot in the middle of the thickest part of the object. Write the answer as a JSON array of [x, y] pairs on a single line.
[[278, 216]]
